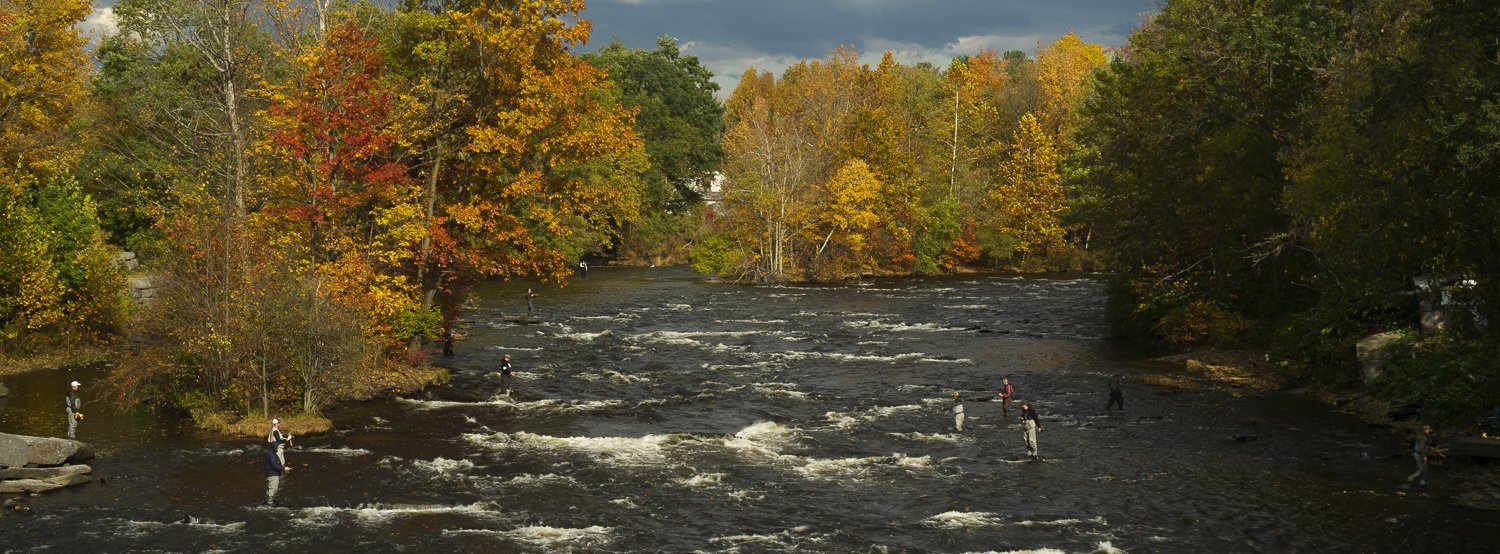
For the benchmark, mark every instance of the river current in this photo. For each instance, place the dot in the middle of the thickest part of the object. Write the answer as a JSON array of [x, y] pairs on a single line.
[[656, 411]]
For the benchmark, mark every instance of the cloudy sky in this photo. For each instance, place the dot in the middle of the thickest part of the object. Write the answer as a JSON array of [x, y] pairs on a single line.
[[732, 35]]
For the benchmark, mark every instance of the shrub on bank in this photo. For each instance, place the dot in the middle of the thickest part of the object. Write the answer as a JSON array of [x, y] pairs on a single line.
[[1454, 378]]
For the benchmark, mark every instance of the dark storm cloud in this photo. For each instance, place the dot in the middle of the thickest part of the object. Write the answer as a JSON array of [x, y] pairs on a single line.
[[732, 35]]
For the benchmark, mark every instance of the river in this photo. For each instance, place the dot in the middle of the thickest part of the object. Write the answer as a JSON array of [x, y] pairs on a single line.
[[657, 411]]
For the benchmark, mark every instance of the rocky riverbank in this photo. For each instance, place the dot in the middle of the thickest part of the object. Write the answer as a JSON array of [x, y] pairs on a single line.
[[34, 465], [1239, 373]]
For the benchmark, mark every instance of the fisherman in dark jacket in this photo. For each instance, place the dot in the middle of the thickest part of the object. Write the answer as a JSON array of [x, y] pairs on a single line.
[[1033, 424], [1116, 394], [74, 405], [274, 469]]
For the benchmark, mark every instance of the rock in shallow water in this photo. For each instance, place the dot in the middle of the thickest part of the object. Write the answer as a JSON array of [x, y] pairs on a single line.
[[21, 451]]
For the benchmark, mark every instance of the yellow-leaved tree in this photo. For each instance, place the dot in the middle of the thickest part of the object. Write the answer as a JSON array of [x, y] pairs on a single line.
[[42, 72], [1028, 196], [1065, 73]]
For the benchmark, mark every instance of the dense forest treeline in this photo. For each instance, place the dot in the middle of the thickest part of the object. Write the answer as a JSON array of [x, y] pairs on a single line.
[[316, 185]]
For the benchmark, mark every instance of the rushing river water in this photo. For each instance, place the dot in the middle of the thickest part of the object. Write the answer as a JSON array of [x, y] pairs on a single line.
[[655, 411]]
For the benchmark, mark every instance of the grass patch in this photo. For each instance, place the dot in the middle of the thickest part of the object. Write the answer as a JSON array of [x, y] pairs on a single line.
[[71, 356], [260, 425]]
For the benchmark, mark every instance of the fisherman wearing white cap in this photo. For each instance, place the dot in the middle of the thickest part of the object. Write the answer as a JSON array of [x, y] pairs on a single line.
[[275, 465], [75, 409], [278, 440]]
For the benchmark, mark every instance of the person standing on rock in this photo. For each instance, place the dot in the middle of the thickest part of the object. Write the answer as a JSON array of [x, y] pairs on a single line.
[[278, 440], [1421, 449], [1116, 394], [529, 296], [74, 405], [1033, 424], [958, 412], [505, 374], [1006, 391], [274, 468]]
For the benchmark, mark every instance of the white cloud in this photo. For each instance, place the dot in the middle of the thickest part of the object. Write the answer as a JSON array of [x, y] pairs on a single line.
[[100, 24]]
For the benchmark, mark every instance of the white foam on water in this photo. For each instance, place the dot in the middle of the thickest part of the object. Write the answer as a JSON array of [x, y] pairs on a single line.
[[882, 325], [962, 520], [751, 321], [622, 316], [723, 367], [190, 523], [685, 339], [746, 495], [334, 451], [953, 438], [771, 434], [1098, 520], [789, 539], [443, 466], [646, 450], [840, 356], [1106, 548], [325, 514], [567, 333], [555, 538], [772, 389], [514, 349], [612, 376], [841, 420], [851, 420], [505, 401], [859, 467], [625, 503], [873, 342], [702, 480], [677, 307], [1037, 551], [546, 479], [967, 307]]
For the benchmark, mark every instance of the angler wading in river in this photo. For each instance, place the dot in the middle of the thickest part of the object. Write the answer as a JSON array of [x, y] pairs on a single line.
[[958, 412], [75, 409], [1033, 425]]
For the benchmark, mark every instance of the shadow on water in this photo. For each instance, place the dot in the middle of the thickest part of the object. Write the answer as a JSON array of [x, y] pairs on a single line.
[[654, 410]]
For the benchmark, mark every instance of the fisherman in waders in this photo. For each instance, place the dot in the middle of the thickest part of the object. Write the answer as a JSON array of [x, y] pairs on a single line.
[[1421, 449], [278, 440], [1033, 424], [583, 267], [447, 342], [958, 412], [1006, 391], [274, 468], [1116, 395], [505, 374], [74, 405], [529, 296]]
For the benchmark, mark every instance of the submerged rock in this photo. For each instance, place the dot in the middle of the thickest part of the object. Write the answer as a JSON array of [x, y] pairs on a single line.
[[42, 472], [29, 486]]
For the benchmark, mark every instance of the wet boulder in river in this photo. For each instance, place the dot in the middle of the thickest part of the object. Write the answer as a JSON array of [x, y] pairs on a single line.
[[22, 451]]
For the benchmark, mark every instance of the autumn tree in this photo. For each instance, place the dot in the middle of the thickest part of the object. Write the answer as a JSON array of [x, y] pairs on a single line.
[[1028, 198], [56, 272], [1064, 74]]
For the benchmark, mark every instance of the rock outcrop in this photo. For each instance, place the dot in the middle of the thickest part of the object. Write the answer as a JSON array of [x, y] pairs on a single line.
[[24, 451], [33, 465]]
